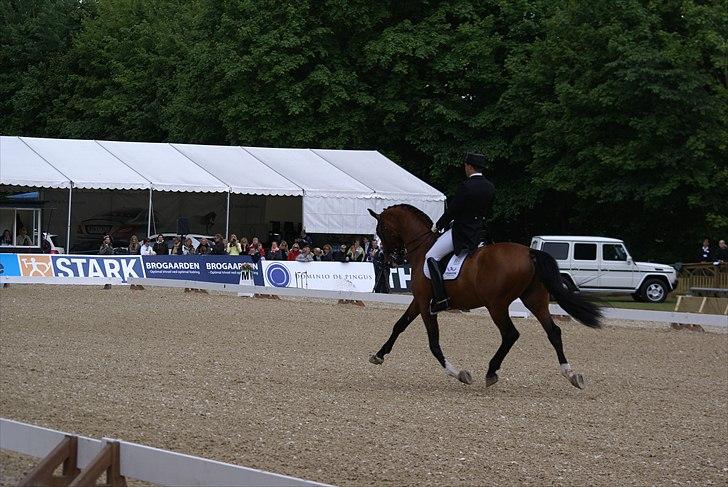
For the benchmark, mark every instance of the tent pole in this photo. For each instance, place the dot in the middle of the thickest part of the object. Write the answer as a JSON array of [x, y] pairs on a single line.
[[68, 222], [149, 215], [227, 216]]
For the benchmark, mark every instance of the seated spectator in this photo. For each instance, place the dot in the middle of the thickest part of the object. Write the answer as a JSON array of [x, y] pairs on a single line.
[[355, 253], [293, 254], [176, 246], [160, 246], [134, 246], [305, 255], [234, 247], [218, 248], [255, 250], [23, 238], [284, 249], [327, 255], [705, 254], [146, 249], [204, 247], [340, 255], [721, 253], [7, 238], [275, 252], [106, 248], [317, 254], [188, 248]]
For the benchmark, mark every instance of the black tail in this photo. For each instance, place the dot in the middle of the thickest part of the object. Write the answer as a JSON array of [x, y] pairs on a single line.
[[547, 270]]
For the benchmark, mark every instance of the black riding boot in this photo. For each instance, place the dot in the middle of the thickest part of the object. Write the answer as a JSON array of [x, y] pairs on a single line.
[[440, 301]]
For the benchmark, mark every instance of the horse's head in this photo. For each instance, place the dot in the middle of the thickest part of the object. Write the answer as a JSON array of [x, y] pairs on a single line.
[[389, 234]]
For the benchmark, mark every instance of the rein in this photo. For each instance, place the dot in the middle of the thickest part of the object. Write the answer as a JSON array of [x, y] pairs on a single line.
[[406, 245]]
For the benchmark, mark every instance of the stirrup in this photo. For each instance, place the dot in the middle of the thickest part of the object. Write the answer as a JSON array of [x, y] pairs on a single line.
[[438, 306]]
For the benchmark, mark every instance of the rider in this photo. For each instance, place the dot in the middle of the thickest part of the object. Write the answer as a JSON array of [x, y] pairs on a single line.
[[464, 219]]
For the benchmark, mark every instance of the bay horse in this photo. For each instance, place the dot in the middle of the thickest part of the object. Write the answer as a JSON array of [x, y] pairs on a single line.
[[492, 276]]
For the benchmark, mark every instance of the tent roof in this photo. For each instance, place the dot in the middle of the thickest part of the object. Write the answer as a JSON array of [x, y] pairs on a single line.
[[387, 179], [20, 166], [165, 167], [87, 164], [314, 175], [242, 172]]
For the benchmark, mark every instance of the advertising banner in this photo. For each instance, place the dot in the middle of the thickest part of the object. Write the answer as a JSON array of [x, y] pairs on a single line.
[[223, 269], [326, 276], [9, 265], [399, 279], [117, 267]]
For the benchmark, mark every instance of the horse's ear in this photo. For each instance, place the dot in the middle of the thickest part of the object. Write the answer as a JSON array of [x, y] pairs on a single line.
[[373, 213]]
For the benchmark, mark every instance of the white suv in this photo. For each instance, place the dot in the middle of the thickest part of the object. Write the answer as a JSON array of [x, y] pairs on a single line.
[[599, 264]]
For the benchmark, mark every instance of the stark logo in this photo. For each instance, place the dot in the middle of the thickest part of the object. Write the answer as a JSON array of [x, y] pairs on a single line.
[[36, 265]]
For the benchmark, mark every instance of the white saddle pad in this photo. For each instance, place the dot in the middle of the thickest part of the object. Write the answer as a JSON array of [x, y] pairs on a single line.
[[454, 265]]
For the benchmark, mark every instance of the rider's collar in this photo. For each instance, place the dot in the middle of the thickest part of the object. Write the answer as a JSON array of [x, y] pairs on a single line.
[[476, 174]]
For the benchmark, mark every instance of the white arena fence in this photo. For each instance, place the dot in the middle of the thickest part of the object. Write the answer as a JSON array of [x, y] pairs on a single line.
[[139, 462]]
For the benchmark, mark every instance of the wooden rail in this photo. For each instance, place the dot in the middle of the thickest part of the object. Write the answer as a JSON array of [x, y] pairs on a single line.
[[702, 275]]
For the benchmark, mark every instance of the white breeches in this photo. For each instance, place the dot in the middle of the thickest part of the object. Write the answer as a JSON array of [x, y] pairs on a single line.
[[439, 249]]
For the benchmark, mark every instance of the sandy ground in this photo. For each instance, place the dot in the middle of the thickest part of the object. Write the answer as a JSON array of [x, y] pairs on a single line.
[[286, 386]]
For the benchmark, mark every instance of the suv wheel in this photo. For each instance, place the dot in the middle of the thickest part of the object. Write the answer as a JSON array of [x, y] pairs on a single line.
[[654, 291]]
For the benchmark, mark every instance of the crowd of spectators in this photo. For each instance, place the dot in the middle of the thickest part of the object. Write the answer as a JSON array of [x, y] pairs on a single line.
[[712, 254]]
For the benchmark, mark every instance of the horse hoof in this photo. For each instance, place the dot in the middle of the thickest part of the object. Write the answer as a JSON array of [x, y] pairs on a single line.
[[376, 360], [465, 377], [489, 381], [577, 380]]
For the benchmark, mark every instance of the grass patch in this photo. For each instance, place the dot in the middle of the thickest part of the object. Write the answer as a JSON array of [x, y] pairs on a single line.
[[627, 302]]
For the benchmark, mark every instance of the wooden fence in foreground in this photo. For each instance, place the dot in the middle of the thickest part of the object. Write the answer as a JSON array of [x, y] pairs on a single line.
[[84, 460]]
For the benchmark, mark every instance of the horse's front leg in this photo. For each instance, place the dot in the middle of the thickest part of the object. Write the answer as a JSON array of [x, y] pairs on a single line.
[[400, 326], [433, 336]]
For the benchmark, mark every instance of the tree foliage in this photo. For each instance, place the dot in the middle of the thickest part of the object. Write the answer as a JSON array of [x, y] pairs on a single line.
[[598, 117]]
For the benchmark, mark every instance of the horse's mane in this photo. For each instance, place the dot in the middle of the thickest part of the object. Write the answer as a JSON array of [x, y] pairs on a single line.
[[421, 215]]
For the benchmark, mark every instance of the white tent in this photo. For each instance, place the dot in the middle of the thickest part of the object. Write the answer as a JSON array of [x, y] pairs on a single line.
[[335, 186]]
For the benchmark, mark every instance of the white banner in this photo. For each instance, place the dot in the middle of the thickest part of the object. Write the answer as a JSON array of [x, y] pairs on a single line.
[[327, 276]]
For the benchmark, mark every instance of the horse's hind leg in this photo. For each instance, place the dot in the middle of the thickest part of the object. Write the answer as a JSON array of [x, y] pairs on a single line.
[[433, 336], [400, 326], [509, 335], [536, 299]]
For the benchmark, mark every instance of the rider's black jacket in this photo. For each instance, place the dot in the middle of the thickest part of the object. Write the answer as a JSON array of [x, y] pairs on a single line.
[[467, 211]]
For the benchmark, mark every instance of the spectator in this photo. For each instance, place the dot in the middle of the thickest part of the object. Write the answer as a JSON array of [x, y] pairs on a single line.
[[275, 252], [355, 253], [234, 247], [705, 254], [721, 253], [188, 248], [7, 238], [134, 246], [304, 239], [293, 254], [381, 269], [244, 244], [106, 248], [176, 246], [160, 246], [218, 248], [23, 238], [256, 251], [146, 249], [204, 247], [305, 255], [340, 255], [327, 255], [284, 249], [317, 254], [366, 245]]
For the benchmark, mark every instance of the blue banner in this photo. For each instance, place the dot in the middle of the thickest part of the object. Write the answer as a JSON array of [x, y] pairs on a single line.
[[9, 265], [223, 269]]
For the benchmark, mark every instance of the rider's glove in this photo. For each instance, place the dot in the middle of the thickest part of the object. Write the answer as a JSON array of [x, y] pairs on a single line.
[[435, 229]]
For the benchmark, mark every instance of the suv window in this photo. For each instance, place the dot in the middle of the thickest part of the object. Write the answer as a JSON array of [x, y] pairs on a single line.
[[585, 251], [614, 252], [557, 250]]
